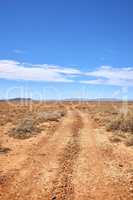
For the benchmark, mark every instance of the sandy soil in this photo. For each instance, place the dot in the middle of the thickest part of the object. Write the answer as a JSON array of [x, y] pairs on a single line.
[[74, 161]]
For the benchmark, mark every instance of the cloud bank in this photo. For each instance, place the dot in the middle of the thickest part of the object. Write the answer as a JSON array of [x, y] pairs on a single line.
[[107, 75], [104, 75], [14, 70]]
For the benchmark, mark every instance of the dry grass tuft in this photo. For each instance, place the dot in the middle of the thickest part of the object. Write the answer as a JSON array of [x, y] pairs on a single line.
[[122, 123], [26, 128], [50, 115], [29, 126]]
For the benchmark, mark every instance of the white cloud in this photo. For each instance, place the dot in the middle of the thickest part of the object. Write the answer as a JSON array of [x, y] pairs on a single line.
[[113, 73], [94, 82], [105, 75], [14, 70], [63, 70], [111, 76]]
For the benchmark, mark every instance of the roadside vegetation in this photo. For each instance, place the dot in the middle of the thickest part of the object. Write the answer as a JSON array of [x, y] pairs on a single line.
[[122, 122], [113, 117], [29, 125], [25, 128]]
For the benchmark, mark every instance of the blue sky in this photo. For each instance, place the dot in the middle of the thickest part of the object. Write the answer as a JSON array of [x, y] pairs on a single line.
[[66, 48]]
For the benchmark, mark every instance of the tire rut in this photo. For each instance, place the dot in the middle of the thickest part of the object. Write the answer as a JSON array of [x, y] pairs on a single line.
[[63, 188], [38, 166]]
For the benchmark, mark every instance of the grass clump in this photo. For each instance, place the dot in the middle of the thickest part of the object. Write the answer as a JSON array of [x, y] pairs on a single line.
[[123, 123], [50, 116], [26, 128]]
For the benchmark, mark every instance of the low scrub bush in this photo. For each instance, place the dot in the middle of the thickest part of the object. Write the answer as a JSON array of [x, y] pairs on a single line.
[[50, 115], [25, 128], [122, 123], [28, 126]]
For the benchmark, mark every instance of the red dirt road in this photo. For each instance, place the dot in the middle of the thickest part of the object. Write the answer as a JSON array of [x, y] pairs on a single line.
[[75, 162]]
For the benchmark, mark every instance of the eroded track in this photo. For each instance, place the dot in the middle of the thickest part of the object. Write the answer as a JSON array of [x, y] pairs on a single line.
[[63, 187]]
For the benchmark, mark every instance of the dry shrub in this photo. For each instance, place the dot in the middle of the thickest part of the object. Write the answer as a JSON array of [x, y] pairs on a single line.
[[103, 113], [122, 123], [26, 128], [50, 115], [29, 126]]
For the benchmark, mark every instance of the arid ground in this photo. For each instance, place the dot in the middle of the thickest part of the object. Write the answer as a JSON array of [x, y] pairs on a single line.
[[64, 151]]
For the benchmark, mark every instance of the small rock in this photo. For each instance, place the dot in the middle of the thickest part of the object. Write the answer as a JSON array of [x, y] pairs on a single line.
[[120, 165], [53, 198]]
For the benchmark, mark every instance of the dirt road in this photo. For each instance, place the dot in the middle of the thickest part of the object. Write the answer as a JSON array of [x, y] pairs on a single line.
[[75, 162]]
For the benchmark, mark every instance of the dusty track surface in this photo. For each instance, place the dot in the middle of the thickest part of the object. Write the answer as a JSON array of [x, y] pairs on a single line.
[[75, 162]]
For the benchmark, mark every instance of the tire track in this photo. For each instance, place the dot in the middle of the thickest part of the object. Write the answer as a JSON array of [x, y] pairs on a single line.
[[88, 169], [34, 177], [63, 188]]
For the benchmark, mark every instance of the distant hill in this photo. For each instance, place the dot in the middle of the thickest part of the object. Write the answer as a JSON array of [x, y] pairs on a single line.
[[97, 99], [66, 100], [16, 99]]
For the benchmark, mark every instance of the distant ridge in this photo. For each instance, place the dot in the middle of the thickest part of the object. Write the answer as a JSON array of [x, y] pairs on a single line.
[[66, 100], [17, 99], [96, 99]]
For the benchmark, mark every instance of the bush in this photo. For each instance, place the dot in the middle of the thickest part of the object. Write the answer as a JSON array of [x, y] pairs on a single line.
[[25, 129], [50, 115], [122, 123], [28, 126]]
